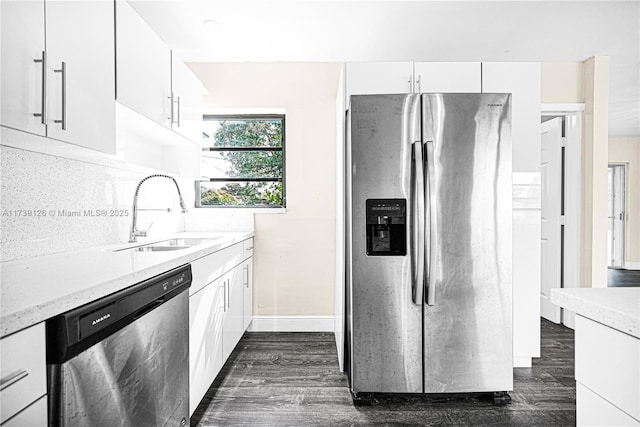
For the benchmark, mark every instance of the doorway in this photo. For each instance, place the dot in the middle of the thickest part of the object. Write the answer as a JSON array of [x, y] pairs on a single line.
[[616, 212]]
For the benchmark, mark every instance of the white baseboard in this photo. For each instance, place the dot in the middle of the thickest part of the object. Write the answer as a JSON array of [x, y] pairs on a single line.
[[632, 265], [521, 362], [292, 324]]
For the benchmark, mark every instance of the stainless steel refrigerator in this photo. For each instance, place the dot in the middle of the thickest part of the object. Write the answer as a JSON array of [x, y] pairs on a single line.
[[428, 244]]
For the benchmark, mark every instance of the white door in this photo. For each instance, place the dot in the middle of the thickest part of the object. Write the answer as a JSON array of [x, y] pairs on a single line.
[[22, 77], [247, 267], [551, 247], [366, 78], [187, 92], [616, 183], [233, 326], [80, 41], [143, 66], [451, 77]]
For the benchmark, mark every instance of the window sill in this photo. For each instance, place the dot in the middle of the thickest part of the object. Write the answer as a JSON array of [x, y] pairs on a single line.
[[243, 209]]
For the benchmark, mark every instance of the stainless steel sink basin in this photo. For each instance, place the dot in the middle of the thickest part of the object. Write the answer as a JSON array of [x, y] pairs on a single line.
[[157, 248], [184, 241], [170, 244]]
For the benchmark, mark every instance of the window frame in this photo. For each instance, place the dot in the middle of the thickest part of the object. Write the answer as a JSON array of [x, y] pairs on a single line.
[[282, 149]]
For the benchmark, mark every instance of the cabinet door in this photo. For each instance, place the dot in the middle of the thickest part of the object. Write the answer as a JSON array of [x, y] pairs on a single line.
[[247, 271], [233, 319], [80, 41], [450, 77], [143, 66], [364, 78], [206, 315], [187, 101], [22, 43]]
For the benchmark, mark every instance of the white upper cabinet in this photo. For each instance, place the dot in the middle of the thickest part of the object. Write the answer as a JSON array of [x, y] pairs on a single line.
[[412, 77], [81, 87], [378, 77], [22, 44], [187, 91], [448, 77], [143, 64]]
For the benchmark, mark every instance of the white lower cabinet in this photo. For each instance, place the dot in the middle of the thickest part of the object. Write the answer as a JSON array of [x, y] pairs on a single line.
[[217, 315], [206, 314], [34, 415], [247, 271], [233, 325], [23, 376]]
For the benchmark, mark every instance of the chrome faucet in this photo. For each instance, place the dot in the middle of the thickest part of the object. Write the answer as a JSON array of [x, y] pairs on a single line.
[[134, 233]]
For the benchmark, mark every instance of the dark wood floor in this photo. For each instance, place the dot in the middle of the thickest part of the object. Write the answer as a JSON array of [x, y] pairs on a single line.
[[620, 278], [292, 379]]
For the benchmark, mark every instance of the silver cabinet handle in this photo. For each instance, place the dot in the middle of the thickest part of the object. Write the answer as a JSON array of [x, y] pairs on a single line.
[[170, 118], [411, 83], [224, 296], [13, 378], [43, 99], [417, 224], [246, 282], [228, 294], [63, 119], [433, 234], [419, 83], [249, 248], [178, 112]]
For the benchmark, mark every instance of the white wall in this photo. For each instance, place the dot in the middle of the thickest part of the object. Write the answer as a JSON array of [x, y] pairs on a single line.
[[627, 151], [294, 252]]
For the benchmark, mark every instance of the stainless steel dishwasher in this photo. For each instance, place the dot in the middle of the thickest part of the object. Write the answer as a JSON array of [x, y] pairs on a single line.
[[123, 360]]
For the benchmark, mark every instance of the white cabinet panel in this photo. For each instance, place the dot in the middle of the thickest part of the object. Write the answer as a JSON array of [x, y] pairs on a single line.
[[247, 271], [608, 362], [451, 77], [143, 66], [210, 267], [378, 77], [233, 318], [206, 315], [522, 80], [80, 40], [593, 410], [187, 101], [23, 370], [247, 246], [21, 77], [33, 415]]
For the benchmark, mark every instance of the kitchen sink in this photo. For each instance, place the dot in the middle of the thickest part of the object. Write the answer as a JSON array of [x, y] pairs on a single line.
[[170, 244], [153, 248]]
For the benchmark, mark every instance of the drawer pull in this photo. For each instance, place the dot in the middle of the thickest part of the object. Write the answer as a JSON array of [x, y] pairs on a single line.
[[12, 378], [249, 248]]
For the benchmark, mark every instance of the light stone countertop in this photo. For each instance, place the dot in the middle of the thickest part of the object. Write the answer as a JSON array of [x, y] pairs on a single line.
[[35, 289], [618, 308]]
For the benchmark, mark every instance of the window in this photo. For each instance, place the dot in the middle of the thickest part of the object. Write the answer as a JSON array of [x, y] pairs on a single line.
[[242, 161]]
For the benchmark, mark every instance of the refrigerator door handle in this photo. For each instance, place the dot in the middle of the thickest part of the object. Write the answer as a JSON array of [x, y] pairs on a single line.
[[417, 224], [433, 235]]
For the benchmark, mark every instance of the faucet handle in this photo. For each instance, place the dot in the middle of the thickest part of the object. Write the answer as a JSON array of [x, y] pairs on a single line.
[[143, 233]]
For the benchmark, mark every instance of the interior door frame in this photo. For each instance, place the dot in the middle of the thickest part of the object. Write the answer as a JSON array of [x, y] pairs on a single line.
[[572, 119]]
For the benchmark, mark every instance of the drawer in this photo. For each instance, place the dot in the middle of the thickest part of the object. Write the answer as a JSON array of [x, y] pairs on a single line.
[[208, 268], [593, 410], [35, 415], [247, 248], [607, 363], [23, 370]]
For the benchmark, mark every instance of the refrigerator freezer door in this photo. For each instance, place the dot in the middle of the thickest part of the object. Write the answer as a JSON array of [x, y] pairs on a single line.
[[385, 340], [467, 329]]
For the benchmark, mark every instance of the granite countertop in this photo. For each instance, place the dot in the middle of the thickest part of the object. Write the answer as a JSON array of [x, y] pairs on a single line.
[[618, 308], [36, 289]]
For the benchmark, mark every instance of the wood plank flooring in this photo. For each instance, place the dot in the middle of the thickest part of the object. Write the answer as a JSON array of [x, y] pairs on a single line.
[[293, 379]]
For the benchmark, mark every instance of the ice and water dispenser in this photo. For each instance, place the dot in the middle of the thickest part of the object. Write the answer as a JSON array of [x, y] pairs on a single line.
[[386, 227]]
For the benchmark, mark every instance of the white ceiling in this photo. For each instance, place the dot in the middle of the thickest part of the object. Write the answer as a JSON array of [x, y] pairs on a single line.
[[361, 30]]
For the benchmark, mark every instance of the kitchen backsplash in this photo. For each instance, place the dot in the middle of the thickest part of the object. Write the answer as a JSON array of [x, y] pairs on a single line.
[[56, 197], [52, 204]]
